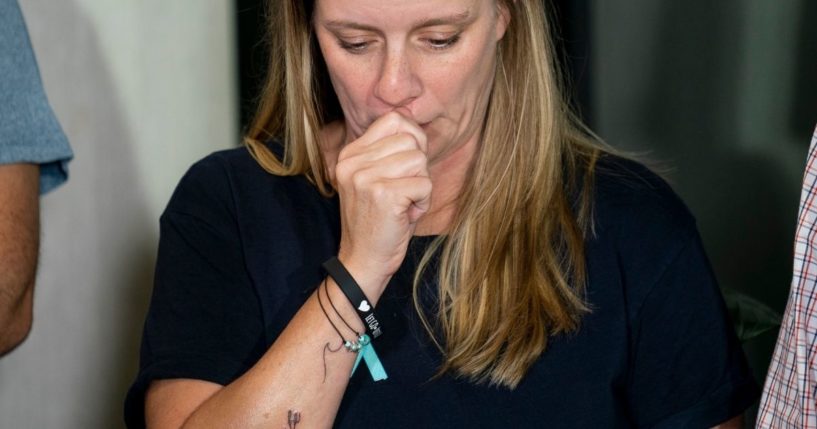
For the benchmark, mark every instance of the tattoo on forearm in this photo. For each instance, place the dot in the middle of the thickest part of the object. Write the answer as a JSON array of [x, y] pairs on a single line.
[[293, 418], [328, 348]]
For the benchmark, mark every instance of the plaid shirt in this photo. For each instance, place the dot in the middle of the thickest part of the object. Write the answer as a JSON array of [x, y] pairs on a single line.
[[790, 395]]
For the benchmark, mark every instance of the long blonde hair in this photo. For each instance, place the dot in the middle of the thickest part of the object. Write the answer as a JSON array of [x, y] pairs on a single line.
[[511, 270]]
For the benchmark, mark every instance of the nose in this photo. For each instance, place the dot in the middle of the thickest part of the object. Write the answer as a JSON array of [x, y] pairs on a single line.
[[397, 85]]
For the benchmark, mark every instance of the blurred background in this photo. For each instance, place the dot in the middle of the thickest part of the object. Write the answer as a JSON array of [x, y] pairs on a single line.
[[720, 94]]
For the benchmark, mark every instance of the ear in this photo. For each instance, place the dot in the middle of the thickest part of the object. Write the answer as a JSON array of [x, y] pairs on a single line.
[[503, 18]]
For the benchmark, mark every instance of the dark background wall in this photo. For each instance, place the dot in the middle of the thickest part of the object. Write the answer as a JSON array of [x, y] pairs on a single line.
[[717, 91], [251, 49], [721, 95]]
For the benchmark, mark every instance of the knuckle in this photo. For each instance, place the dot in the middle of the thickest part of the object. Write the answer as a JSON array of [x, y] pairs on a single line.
[[422, 142], [415, 160], [394, 121], [424, 183], [378, 190], [342, 171], [359, 179], [410, 140], [392, 117], [404, 142], [417, 156]]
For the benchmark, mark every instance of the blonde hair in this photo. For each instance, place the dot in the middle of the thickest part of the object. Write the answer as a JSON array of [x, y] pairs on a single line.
[[511, 270]]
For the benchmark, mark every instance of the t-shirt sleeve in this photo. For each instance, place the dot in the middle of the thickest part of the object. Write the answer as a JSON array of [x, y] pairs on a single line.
[[687, 366], [29, 131], [204, 320]]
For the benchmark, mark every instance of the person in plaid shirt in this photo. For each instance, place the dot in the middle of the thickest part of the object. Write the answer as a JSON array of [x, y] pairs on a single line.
[[791, 384]]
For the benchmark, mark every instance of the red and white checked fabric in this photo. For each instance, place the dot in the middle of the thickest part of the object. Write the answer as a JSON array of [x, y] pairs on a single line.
[[790, 394]]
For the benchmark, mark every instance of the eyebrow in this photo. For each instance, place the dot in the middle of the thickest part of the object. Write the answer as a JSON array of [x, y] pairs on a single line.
[[455, 19]]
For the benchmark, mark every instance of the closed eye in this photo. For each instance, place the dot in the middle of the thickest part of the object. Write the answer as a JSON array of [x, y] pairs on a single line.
[[361, 47], [440, 44], [354, 48]]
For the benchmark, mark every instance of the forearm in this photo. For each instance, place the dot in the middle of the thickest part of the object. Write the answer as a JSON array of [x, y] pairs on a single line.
[[16, 317], [19, 244], [306, 370]]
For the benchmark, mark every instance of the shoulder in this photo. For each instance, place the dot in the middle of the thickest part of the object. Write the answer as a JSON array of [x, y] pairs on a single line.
[[224, 164], [629, 197], [641, 225], [208, 183], [229, 178]]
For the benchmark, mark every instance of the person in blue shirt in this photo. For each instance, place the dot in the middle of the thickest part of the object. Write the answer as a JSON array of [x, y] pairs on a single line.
[[34, 154], [419, 234]]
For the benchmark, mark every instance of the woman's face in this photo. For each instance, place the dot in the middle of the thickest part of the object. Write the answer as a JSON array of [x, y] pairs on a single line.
[[430, 60]]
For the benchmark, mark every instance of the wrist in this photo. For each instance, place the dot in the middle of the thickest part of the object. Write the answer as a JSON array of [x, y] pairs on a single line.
[[370, 278], [364, 305]]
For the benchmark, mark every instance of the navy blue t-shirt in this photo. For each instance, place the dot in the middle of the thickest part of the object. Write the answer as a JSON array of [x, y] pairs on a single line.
[[241, 251]]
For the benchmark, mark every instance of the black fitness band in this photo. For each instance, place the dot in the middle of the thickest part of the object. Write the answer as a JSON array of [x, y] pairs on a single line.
[[355, 295]]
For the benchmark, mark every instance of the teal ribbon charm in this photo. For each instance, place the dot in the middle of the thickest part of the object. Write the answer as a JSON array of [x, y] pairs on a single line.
[[368, 354]]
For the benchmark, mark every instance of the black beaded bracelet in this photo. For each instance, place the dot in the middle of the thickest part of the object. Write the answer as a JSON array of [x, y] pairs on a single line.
[[355, 295]]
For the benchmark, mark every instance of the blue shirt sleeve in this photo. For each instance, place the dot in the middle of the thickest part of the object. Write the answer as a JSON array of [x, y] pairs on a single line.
[[29, 131]]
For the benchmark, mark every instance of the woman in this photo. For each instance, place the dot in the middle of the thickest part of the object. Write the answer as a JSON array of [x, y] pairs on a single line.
[[521, 275]]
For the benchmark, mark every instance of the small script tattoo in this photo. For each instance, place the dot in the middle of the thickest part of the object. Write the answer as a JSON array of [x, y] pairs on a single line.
[[293, 418], [328, 348]]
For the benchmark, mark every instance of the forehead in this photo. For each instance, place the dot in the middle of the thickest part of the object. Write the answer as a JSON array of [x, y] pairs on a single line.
[[384, 14]]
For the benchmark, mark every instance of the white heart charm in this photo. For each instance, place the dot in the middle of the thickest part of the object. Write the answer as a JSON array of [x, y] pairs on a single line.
[[364, 306]]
